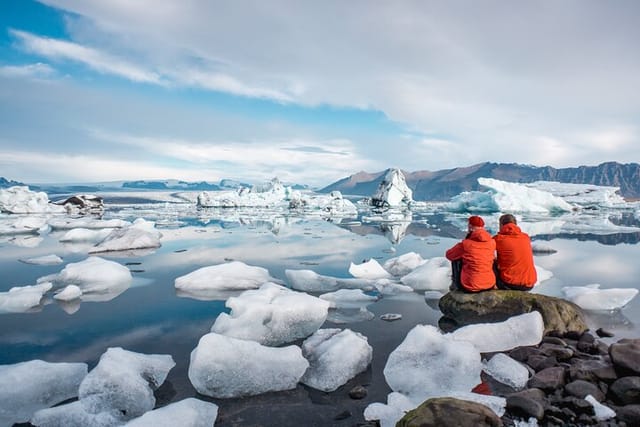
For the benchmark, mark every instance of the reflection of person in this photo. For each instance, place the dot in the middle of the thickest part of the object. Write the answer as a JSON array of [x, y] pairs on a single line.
[[472, 259], [515, 267]]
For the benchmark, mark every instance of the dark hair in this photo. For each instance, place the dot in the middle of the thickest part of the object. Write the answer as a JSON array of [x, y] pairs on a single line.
[[507, 218]]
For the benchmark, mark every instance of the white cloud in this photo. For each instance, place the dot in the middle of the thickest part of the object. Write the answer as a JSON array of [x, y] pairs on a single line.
[[37, 70]]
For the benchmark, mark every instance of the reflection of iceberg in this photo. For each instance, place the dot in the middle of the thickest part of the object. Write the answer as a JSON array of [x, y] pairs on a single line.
[[612, 321]]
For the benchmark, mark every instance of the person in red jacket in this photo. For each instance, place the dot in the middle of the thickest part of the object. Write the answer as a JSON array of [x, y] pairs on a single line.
[[472, 259], [515, 267]]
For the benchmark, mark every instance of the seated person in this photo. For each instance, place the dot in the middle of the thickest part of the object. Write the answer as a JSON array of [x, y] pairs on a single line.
[[472, 259], [514, 265]]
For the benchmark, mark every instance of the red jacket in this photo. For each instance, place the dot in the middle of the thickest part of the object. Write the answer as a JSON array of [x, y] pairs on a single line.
[[515, 257], [477, 253]]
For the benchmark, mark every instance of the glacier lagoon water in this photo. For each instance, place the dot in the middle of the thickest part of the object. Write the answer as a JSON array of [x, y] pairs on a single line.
[[151, 317]]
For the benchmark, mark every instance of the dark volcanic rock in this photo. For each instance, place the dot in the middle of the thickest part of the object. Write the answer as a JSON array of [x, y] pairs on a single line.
[[445, 411], [592, 370], [496, 306], [625, 355], [358, 392], [626, 391], [581, 388], [548, 379], [525, 407], [629, 414]]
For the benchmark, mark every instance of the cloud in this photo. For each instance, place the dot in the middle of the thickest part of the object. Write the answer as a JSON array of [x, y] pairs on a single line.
[[37, 70]]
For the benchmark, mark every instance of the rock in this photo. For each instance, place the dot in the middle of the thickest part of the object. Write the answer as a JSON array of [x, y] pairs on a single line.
[[602, 333], [522, 354], [358, 392], [525, 407], [531, 393], [629, 414], [548, 379], [592, 370], [342, 415], [561, 353], [559, 315], [626, 391], [581, 388], [84, 204], [625, 355], [541, 362], [449, 411]]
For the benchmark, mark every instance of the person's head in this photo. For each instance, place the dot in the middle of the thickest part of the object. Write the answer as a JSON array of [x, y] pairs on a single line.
[[507, 219], [475, 222]]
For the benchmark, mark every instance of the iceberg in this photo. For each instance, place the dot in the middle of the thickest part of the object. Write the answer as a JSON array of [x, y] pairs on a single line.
[[272, 315], [428, 363], [585, 195], [69, 293], [348, 298], [86, 235], [392, 190], [30, 224], [27, 387], [310, 281], [94, 275], [433, 275], [368, 270], [330, 205], [234, 275], [591, 297], [188, 412], [141, 234], [43, 260], [522, 330], [20, 299], [403, 264], [507, 371], [335, 356], [21, 200], [224, 367], [271, 194], [90, 223]]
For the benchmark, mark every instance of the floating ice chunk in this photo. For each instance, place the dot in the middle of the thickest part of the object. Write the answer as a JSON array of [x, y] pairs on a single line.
[[86, 235], [21, 298], [602, 412], [404, 264], [387, 287], [390, 317], [228, 276], [389, 414], [428, 363], [21, 200], [586, 195], [69, 293], [522, 330], [27, 387], [331, 204], [93, 275], [434, 274], [348, 298], [334, 357], [123, 382], [368, 270], [189, 412], [392, 190], [591, 297], [310, 281], [140, 235], [271, 194], [542, 248], [512, 197], [507, 371], [74, 415], [228, 367], [30, 224], [272, 315], [90, 223], [43, 260]]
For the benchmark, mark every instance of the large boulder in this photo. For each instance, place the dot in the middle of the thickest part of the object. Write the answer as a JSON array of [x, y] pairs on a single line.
[[459, 309], [443, 411]]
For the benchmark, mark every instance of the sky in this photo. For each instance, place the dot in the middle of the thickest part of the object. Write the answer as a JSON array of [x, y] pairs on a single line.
[[312, 91]]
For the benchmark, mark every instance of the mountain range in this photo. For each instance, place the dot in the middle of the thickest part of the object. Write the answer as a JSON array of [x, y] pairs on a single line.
[[446, 183]]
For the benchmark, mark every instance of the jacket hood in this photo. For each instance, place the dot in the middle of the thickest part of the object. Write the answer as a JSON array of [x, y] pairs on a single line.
[[510, 228], [480, 235]]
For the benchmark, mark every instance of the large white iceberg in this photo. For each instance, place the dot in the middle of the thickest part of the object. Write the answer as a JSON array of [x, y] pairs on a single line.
[[348, 298], [21, 200], [118, 389], [234, 275], [403, 264], [86, 235], [428, 364], [188, 412], [310, 281], [335, 356], [141, 234], [271, 194], [586, 195], [522, 330], [94, 275], [392, 190], [368, 270], [22, 298], [27, 224], [433, 274], [27, 387], [272, 315], [228, 367], [591, 297]]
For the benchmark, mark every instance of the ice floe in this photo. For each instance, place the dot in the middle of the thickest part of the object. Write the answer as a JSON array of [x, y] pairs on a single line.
[[403, 264], [21, 200], [348, 298], [310, 281], [86, 235], [27, 387], [272, 315], [234, 275], [141, 234], [591, 297], [43, 260], [20, 299], [23, 224], [225, 367], [69, 293], [434, 275], [335, 356], [188, 412], [368, 270], [86, 222]]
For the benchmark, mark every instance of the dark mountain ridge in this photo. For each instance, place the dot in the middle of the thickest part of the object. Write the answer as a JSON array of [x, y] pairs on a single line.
[[446, 183]]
